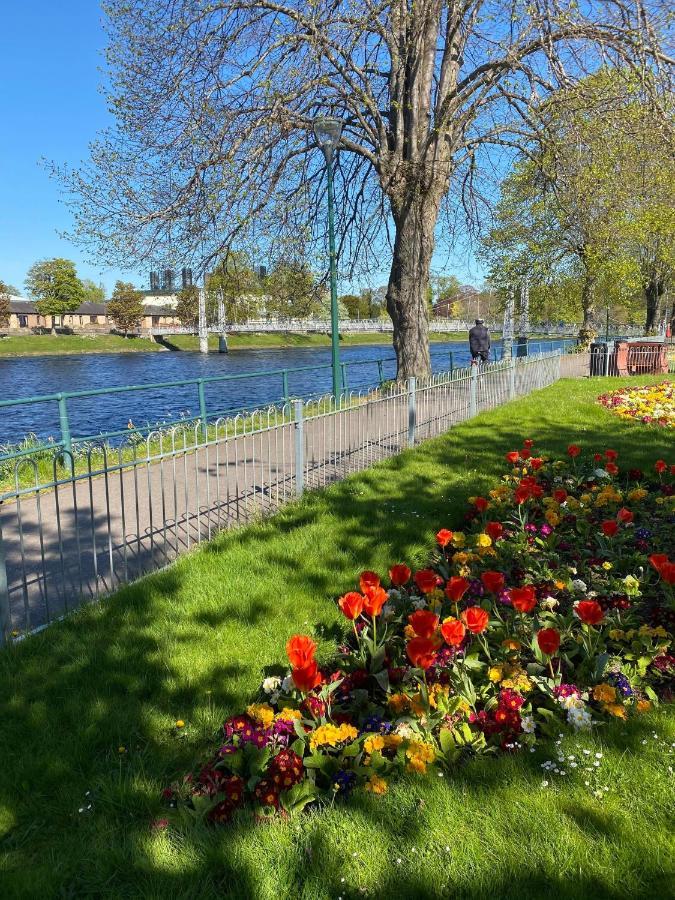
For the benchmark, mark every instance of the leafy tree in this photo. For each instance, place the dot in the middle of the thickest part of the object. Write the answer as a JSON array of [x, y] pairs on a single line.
[[234, 284], [187, 307], [55, 286], [291, 291], [215, 104], [5, 294], [593, 202], [126, 306], [93, 293], [369, 304]]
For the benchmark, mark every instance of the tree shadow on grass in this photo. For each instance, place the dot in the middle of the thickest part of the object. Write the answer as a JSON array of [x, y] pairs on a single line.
[[116, 675]]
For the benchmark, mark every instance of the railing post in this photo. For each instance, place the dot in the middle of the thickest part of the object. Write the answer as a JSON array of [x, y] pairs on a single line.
[[380, 373], [345, 383], [202, 405], [299, 448], [284, 387], [412, 412], [473, 390], [512, 379], [452, 363], [4, 596], [606, 358], [65, 433]]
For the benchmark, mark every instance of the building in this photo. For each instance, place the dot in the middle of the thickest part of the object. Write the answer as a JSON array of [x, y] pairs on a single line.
[[88, 318]]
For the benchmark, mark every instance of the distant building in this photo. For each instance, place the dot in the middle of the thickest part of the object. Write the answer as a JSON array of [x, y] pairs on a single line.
[[88, 318]]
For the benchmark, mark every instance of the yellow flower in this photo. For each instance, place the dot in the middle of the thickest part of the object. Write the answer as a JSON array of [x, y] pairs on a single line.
[[604, 693], [464, 571], [180, 723], [617, 634], [643, 706], [262, 713], [392, 741], [408, 632], [376, 785], [436, 691], [637, 494], [399, 703], [121, 749], [616, 709], [585, 498], [419, 755], [552, 517], [288, 714], [511, 644], [460, 558], [458, 538], [332, 735], [371, 744], [495, 673], [483, 540], [631, 584]]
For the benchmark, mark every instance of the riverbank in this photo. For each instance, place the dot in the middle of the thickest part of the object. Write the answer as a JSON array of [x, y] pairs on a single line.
[[55, 345]]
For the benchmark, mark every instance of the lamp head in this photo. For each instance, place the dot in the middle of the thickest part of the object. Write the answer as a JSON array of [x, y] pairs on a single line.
[[327, 133]]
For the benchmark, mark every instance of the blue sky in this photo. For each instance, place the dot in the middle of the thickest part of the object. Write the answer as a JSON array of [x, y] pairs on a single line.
[[51, 106]]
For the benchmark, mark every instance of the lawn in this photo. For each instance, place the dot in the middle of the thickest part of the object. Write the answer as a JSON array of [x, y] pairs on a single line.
[[282, 340], [56, 344], [89, 706]]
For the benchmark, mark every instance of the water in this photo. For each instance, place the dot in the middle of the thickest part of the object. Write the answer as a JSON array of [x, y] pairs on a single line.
[[31, 376]]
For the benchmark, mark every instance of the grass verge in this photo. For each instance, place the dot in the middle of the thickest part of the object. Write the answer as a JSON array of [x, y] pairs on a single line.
[[88, 708], [57, 344]]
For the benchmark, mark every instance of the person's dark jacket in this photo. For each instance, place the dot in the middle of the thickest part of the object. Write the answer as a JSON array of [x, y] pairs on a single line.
[[479, 339]]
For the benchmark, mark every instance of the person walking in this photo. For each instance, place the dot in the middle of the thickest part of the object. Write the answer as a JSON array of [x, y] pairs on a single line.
[[479, 342]]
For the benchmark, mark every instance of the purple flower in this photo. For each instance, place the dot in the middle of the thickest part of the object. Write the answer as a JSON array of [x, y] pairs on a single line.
[[546, 530]]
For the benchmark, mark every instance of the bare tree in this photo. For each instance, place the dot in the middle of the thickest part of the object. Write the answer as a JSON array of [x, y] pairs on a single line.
[[215, 101]]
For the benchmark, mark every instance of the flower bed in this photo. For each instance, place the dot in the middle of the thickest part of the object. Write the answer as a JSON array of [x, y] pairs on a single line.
[[552, 608], [652, 404]]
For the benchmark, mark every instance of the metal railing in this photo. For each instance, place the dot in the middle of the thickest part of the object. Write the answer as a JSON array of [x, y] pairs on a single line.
[[71, 538], [619, 358]]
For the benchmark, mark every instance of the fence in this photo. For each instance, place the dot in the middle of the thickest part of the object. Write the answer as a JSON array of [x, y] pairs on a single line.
[[71, 538]]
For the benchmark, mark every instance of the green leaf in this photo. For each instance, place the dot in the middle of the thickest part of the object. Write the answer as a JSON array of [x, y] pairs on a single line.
[[446, 740]]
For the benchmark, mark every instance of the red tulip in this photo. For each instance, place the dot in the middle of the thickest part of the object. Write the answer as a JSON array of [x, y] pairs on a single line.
[[421, 652], [548, 640], [611, 468], [624, 515], [573, 450], [657, 560], [513, 456], [300, 650], [525, 453], [611, 455], [476, 619], [399, 574], [426, 580], [369, 580], [660, 465], [443, 537], [524, 599], [306, 678], [493, 581], [453, 631], [456, 588], [495, 530], [424, 622], [536, 463], [481, 504], [374, 600], [667, 572], [609, 528], [529, 443], [352, 604], [589, 612], [560, 495]]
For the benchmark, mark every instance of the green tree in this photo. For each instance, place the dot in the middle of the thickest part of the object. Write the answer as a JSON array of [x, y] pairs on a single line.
[[126, 306], [93, 293], [593, 202], [291, 291], [187, 307], [54, 284], [234, 284], [4, 304]]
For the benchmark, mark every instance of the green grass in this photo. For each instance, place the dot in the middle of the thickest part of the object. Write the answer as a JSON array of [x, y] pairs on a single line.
[[55, 344], [193, 641], [49, 345]]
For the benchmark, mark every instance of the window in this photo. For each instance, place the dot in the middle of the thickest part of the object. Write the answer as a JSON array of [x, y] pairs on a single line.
[[93, 320], [23, 321]]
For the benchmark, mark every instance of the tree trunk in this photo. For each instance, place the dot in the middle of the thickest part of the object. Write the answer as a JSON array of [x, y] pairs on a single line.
[[408, 283], [654, 290]]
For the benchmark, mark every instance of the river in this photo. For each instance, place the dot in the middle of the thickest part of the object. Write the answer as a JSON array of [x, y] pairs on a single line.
[[36, 375]]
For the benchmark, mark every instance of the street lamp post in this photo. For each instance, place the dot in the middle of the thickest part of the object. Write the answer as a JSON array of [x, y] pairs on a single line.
[[327, 133]]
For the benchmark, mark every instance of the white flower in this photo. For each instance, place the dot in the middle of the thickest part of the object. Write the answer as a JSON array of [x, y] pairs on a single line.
[[579, 586], [600, 473], [579, 717], [420, 604], [404, 730], [549, 603], [271, 684], [287, 684], [394, 595], [388, 612], [527, 724]]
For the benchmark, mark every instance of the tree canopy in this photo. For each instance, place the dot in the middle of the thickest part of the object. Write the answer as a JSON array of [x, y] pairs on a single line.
[[4, 304], [55, 286], [126, 306], [215, 101]]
